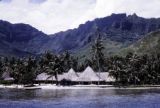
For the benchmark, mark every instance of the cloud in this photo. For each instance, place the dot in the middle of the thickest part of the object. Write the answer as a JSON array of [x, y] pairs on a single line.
[[147, 9], [49, 16], [37, 1], [52, 16], [5, 1]]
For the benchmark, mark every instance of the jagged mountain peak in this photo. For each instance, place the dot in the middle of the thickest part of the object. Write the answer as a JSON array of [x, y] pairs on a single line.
[[119, 28]]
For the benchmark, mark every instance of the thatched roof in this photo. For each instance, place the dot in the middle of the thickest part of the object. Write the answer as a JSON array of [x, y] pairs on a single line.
[[6, 76], [60, 77], [9, 79], [88, 75], [42, 77], [46, 77], [51, 78], [71, 75], [105, 76]]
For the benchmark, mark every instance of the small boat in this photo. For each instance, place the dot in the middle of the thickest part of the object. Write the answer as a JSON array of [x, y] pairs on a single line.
[[31, 88]]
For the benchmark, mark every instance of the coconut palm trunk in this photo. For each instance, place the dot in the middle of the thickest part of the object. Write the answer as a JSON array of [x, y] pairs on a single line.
[[56, 77], [99, 71]]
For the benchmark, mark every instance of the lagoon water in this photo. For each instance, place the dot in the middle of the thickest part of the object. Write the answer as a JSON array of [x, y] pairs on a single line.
[[100, 98]]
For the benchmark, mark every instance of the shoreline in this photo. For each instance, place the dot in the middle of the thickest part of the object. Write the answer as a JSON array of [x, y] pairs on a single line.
[[54, 87]]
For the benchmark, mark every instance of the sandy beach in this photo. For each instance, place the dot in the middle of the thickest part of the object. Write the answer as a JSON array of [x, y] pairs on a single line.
[[53, 86]]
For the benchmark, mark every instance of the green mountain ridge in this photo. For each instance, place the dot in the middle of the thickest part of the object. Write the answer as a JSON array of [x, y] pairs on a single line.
[[149, 44], [111, 48]]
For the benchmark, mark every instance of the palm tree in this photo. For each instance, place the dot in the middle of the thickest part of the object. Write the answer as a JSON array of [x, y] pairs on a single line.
[[50, 70], [1, 68], [118, 69], [68, 61], [17, 71], [47, 63], [74, 63], [30, 71], [58, 67], [54, 65], [98, 55]]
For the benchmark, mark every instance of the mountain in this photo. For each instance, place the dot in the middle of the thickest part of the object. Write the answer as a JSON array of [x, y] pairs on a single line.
[[20, 39], [149, 44], [118, 28], [118, 31]]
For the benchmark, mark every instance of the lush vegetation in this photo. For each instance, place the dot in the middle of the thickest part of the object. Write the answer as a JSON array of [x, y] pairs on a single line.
[[131, 69], [134, 69], [25, 70]]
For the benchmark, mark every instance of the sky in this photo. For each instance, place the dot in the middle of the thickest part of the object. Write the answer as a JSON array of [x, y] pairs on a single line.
[[51, 16]]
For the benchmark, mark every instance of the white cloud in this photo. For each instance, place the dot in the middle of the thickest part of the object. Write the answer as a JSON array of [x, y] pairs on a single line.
[[52, 16]]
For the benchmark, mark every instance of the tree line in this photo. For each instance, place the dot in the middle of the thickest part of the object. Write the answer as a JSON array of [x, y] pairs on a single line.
[[131, 69], [25, 70]]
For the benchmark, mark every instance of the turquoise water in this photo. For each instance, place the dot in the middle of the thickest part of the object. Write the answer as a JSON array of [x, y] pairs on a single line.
[[11, 98]]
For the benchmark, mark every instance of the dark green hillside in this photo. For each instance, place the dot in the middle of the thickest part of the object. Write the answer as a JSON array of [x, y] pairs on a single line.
[[150, 44], [111, 48]]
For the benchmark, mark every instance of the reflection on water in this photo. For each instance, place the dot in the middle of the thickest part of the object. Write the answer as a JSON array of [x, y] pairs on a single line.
[[12, 98]]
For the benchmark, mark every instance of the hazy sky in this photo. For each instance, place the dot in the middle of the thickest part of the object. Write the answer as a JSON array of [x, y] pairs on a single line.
[[51, 16]]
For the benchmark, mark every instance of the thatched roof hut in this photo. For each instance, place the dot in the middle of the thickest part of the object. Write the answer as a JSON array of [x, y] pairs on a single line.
[[42, 77], [6, 76], [105, 76], [88, 75], [71, 75]]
